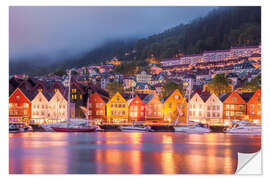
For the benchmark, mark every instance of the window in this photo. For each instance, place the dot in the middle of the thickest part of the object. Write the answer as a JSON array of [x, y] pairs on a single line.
[[252, 106], [208, 114], [217, 107], [73, 90], [194, 106], [123, 112], [10, 105], [208, 108], [241, 107], [234, 99], [170, 105], [176, 97], [227, 113], [232, 113], [80, 96], [232, 107], [141, 113], [227, 106], [142, 108], [25, 112], [18, 97]]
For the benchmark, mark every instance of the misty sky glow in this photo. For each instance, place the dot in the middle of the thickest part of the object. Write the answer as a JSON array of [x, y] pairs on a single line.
[[58, 31]]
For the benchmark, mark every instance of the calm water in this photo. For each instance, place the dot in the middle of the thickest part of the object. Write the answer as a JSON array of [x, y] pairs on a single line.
[[125, 153]]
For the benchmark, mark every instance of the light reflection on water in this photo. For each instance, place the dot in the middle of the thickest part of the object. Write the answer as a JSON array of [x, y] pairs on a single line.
[[125, 153]]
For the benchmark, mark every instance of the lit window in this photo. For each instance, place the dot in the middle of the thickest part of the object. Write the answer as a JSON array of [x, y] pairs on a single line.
[[17, 97]]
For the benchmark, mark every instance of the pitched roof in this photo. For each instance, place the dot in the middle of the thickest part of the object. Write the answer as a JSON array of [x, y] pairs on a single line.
[[224, 96], [148, 98], [247, 96]]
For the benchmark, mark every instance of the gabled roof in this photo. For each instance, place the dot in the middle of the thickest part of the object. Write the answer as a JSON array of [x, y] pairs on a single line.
[[30, 95], [148, 98], [224, 96], [247, 96], [15, 81]]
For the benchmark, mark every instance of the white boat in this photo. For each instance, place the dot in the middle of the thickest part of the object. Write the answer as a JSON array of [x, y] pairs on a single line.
[[191, 129], [134, 128], [245, 129], [19, 127]]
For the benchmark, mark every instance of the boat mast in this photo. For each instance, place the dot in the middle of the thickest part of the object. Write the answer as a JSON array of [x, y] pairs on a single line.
[[87, 111], [69, 80], [189, 88]]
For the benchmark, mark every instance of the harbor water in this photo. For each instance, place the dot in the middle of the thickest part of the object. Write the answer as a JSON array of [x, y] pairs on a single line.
[[127, 152]]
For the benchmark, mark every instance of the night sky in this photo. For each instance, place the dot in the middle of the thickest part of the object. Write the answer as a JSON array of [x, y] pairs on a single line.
[[54, 31]]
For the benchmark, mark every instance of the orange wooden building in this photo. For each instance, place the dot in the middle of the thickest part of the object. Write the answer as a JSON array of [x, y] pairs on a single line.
[[234, 106], [136, 109]]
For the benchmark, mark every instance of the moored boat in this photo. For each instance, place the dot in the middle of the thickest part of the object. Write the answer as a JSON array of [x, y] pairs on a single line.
[[74, 129], [192, 129], [245, 129], [134, 128]]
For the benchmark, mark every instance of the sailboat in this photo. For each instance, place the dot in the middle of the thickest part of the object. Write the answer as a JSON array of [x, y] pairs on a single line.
[[69, 127], [189, 128]]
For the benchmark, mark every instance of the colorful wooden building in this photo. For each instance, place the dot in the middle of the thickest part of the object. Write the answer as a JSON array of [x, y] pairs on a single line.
[[78, 97], [234, 106], [172, 110], [20, 106], [136, 109], [40, 107], [117, 109], [153, 108], [97, 107], [58, 106], [254, 108]]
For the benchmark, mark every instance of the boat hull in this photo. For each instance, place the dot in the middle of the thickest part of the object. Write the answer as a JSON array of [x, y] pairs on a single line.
[[59, 129]]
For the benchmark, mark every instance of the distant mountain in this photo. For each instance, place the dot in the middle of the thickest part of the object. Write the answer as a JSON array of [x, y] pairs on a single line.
[[222, 28]]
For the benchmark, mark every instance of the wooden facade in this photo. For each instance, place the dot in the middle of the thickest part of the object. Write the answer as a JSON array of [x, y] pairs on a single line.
[[19, 107], [234, 107], [97, 107], [136, 109], [254, 108], [153, 107], [117, 109], [171, 105]]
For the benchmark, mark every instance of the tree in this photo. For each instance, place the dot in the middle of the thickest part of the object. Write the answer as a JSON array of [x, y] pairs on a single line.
[[59, 72], [113, 87], [169, 87], [219, 85], [253, 85], [74, 73]]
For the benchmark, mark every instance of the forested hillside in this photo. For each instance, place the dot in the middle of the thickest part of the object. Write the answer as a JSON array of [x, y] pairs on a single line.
[[220, 29]]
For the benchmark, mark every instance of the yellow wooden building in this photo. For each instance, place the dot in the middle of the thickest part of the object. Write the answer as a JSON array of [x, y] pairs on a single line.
[[174, 100], [117, 109]]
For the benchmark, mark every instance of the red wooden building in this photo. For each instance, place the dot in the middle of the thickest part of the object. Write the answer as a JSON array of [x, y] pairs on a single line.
[[136, 109], [254, 107], [97, 107], [20, 106], [234, 106]]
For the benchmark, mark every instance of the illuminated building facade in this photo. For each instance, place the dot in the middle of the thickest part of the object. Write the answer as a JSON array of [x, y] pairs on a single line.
[[170, 110], [97, 107], [136, 109], [234, 106], [117, 109], [154, 107], [20, 106]]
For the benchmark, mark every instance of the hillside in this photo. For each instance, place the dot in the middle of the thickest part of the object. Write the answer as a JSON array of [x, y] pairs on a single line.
[[220, 29]]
